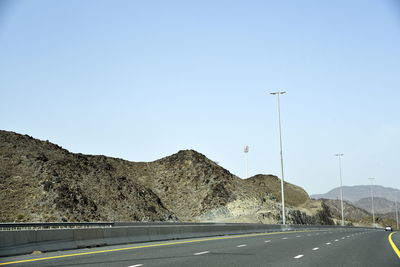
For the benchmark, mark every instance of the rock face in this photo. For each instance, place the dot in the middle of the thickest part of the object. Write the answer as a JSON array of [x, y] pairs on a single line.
[[351, 212], [40, 181]]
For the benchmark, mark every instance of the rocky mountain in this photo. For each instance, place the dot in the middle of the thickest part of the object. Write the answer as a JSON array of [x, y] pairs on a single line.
[[40, 181], [381, 205], [350, 212], [355, 193], [390, 215]]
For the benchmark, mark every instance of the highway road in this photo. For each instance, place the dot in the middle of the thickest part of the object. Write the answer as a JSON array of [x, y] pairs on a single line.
[[344, 247]]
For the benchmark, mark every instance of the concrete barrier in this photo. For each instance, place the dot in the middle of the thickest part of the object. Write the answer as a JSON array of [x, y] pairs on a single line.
[[26, 241]]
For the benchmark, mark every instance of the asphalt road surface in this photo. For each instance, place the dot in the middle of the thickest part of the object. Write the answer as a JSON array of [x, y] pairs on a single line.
[[346, 247]]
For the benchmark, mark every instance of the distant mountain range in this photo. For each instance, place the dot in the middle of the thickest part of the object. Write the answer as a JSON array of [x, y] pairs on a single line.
[[358, 192]]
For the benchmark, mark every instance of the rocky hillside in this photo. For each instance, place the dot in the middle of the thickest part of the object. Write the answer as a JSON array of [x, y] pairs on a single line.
[[381, 205], [40, 181], [351, 212], [295, 196]]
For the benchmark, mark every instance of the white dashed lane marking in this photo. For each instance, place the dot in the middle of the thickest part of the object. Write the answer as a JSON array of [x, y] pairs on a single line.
[[267, 241], [315, 248], [298, 256], [328, 243], [136, 265], [201, 253], [240, 246]]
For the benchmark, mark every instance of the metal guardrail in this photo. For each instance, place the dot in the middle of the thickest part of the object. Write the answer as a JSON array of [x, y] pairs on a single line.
[[76, 225], [79, 225], [53, 225]]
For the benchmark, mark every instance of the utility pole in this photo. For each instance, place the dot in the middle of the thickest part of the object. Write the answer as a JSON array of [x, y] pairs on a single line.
[[341, 184], [246, 161], [278, 93], [372, 201]]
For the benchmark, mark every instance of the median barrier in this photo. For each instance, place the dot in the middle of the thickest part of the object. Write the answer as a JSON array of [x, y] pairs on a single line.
[[27, 241]]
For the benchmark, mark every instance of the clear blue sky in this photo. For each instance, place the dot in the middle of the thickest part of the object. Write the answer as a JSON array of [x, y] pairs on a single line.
[[141, 80]]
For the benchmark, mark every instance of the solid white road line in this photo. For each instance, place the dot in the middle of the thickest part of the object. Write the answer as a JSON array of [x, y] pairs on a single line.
[[315, 248], [201, 253], [298, 256], [240, 246]]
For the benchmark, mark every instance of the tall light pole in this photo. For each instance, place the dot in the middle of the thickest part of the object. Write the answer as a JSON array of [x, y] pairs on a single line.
[[278, 93], [397, 213], [372, 201], [341, 184], [246, 160]]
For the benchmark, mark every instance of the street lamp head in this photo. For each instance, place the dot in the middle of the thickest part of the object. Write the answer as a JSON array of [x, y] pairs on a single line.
[[278, 92], [339, 155]]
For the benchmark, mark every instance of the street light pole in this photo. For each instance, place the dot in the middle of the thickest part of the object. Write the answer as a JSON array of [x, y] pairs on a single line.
[[372, 201], [341, 184], [246, 161], [278, 93]]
